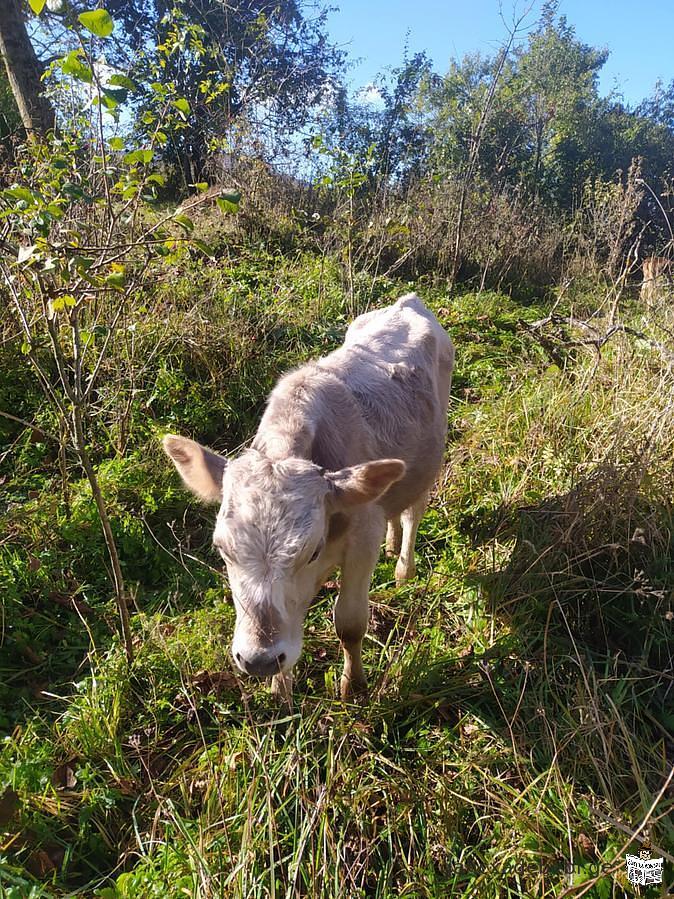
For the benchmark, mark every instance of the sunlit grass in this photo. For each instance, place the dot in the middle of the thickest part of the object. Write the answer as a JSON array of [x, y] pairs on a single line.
[[518, 727]]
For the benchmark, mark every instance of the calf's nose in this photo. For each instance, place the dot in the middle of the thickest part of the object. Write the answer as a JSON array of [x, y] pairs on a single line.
[[263, 663]]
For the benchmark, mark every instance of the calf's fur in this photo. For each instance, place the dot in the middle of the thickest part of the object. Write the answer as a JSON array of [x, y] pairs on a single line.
[[348, 443]]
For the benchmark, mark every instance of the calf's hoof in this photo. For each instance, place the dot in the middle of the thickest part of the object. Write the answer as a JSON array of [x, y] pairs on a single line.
[[405, 571], [350, 688]]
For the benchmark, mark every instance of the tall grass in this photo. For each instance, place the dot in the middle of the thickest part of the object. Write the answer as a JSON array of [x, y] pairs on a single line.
[[518, 732]]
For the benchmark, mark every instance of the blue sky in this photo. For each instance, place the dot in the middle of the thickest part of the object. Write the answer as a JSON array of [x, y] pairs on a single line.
[[639, 36]]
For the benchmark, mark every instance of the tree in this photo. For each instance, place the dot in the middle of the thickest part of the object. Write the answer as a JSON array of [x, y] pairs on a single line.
[[476, 126], [24, 71], [261, 61], [548, 130], [10, 121], [241, 68], [660, 105], [455, 105], [388, 131], [557, 85]]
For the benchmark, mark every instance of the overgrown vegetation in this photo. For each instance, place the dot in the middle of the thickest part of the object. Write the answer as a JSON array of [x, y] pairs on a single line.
[[517, 740], [519, 707]]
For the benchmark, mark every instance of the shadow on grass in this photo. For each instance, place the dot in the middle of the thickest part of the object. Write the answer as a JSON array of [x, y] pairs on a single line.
[[583, 676], [577, 682]]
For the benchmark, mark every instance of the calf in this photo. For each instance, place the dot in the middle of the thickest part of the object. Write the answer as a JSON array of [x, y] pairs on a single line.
[[347, 443]]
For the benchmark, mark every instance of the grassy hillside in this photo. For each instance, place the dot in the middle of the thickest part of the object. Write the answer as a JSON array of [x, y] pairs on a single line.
[[519, 726]]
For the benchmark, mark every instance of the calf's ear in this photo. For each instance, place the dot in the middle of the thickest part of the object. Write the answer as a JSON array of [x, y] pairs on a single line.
[[201, 469], [365, 483]]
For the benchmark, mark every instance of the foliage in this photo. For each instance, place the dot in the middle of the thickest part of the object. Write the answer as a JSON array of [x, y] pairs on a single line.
[[82, 238], [384, 132], [549, 128], [518, 687], [217, 68], [518, 731]]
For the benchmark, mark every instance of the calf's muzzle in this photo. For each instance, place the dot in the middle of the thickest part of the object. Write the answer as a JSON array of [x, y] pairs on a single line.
[[261, 663]]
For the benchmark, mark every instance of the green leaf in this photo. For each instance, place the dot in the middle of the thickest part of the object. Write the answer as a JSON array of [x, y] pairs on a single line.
[[74, 191], [229, 201], [25, 348], [204, 247], [583, 808], [112, 97], [37, 6], [116, 143], [58, 304], [182, 106], [138, 156], [116, 280], [184, 222], [55, 210], [122, 81], [80, 264], [73, 65], [119, 94], [20, 193], [98, 22]]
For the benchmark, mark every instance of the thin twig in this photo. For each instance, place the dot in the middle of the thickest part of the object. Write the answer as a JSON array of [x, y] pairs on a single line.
[[27, 424]]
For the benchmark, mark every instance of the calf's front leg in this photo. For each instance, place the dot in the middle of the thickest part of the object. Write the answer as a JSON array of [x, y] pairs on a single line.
[[352, 606], [282, 688]]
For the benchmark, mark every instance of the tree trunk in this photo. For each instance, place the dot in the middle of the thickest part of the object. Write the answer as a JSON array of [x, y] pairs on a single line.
[[23, 70]]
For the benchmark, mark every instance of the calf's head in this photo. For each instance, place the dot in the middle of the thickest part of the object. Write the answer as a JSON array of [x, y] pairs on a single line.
[[273, 530]]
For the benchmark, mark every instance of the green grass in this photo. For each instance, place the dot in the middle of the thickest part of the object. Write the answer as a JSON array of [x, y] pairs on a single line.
[[519, 722]]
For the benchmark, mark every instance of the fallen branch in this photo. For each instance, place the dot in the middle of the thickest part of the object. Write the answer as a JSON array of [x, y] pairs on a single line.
[[598, 339]]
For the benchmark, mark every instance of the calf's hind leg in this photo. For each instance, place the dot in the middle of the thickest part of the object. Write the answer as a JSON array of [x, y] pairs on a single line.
[[409, 519], [394, 536]]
